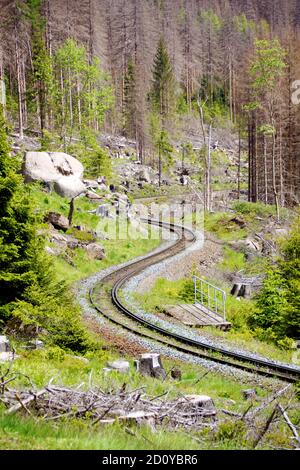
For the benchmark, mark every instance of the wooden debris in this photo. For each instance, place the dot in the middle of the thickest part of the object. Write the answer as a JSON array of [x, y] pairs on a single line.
[[289, 423]]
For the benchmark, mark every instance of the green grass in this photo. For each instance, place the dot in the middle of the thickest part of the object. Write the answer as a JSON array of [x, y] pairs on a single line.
[[74, 265], [117, 251], [220, 224], [20, 432], [233, 261], [26, 432]]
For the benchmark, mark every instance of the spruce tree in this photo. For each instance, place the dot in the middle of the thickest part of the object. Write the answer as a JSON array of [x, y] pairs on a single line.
[[130, 102], [163, 83], [17, 234]]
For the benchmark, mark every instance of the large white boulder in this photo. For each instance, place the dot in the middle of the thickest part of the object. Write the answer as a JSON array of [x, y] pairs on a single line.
[[49, 167], [69, 186]]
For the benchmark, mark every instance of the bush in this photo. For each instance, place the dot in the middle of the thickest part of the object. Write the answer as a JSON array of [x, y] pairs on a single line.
[[278, 303]]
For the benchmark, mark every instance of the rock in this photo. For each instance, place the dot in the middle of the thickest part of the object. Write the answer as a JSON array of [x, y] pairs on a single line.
[[282, 232], [143, 175], [150, 364], [36, 344], [91, 184], [250, 257], [95, 251], [249, 244], [93, 196], [50, 166], [183, 180], [252, 244], [58, 221], [4, 344], [249, 394], [73, 244], [121, 366], [50, 251], [69, 186]]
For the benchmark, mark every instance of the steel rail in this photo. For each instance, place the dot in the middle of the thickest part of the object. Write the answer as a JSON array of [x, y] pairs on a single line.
[[262, 366]]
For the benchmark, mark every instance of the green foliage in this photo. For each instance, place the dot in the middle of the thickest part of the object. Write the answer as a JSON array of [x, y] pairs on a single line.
[[83, 93], [29, 290], [212, 19], [130, 102], [163, 91], [94, 158], [278, 303], [233, 431], [268, 65], [164, 147]]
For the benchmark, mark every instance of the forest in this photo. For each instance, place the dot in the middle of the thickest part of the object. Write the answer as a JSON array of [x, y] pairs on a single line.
[[158, 61]]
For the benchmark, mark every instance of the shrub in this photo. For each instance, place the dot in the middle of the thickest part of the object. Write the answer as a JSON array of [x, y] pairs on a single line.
[[278, 303]]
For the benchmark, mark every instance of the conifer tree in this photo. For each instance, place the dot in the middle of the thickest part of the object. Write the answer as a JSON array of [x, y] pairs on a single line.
[[130, 104], [163, 83], [17, 234]]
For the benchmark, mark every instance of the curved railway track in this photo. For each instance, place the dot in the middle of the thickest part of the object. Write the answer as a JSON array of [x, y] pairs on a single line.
[[114, 311]]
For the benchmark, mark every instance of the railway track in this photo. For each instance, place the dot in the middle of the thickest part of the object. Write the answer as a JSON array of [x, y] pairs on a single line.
[[105, 298]]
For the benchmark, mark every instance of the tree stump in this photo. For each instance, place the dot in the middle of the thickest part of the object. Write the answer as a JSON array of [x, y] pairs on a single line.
[[176, 374], [201, 404], [4, 344], [150, 364]]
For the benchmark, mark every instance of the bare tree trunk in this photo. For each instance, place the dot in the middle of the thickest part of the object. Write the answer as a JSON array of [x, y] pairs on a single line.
[[274, 177], [79, 104], [159, 165], [239, 167], [281, 168], [230, 88], [208, 184], [265, 170], [19, 82], [205, 156]]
